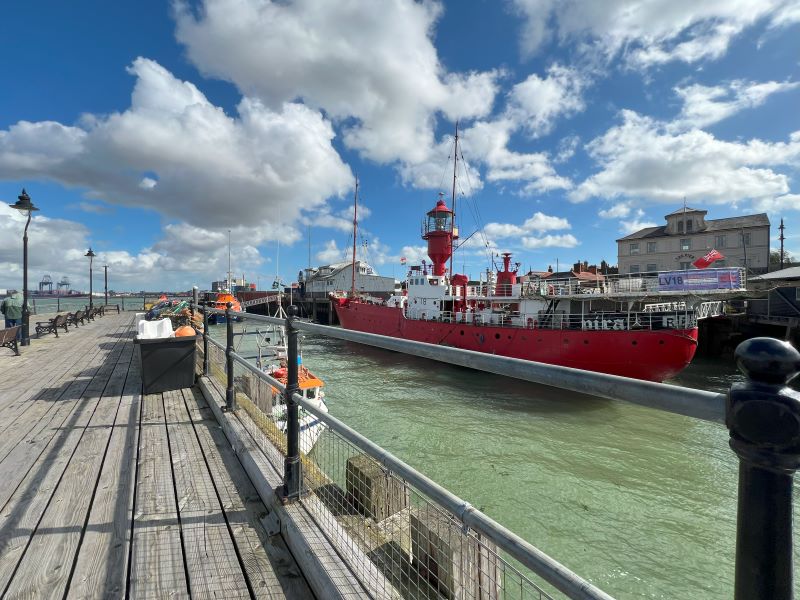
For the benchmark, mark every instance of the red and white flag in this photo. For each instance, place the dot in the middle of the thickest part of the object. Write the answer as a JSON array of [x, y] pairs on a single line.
[[705, 261]]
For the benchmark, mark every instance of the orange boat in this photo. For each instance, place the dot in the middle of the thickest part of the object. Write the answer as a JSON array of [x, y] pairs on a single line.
[[221, 303]]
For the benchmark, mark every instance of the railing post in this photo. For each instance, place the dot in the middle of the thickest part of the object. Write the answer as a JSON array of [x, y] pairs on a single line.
[[763, 416], [195, 298], [230, 395], [205, 338], [291, 465], [123, 303]]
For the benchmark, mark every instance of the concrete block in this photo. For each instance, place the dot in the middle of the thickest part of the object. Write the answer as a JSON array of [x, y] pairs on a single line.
[[372, 491]]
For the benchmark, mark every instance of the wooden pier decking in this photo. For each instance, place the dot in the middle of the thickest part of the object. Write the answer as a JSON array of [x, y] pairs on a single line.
[[108, 494]]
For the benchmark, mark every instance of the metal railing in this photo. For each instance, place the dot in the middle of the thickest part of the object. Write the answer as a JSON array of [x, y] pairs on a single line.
[[413, 539], [685, 318]]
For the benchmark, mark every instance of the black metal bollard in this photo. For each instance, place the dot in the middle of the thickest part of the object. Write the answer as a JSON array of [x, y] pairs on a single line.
[[123, 302], [193, 304], [205, 338], [144, 302], [763, 416], [291, 465], [58, 305], [230, 395]]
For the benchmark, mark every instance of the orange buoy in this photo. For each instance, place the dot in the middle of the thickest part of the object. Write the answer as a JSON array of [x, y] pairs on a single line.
[[184, 331]]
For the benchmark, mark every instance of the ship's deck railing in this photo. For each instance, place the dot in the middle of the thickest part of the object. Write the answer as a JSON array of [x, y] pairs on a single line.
[[692, 281], [762, 414], [682, 318]]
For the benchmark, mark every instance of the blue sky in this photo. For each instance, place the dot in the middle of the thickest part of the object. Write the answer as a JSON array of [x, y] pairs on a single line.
[[147, 133]]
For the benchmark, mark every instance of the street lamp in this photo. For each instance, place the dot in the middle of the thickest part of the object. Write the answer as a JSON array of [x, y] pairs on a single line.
[[24, 204], [105, 281], [91, 255]]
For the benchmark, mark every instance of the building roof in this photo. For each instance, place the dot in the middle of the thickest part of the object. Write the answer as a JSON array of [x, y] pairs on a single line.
[[757, 220], [682, 210], [788, 273]]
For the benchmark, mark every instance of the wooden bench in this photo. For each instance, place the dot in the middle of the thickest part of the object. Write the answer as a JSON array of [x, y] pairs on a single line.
[[8, 338], [76, 317], [52, 325]]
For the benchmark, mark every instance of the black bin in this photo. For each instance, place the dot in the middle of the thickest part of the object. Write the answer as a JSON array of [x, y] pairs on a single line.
[[167, 363]]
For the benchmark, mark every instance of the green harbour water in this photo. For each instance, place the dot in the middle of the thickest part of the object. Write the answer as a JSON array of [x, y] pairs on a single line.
[[640, 502]]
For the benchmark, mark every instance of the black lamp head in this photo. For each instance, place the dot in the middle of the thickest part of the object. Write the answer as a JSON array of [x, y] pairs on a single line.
[[24, 203], [90, 254]]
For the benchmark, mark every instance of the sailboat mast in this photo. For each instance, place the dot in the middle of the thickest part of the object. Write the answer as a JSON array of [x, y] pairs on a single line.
[[230, 284], [453, 220], [355, 231]]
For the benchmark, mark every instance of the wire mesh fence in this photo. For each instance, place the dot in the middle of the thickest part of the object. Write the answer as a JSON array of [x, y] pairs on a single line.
[[397, 541]]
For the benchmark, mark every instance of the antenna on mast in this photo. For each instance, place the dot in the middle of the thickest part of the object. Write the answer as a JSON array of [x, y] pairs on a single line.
[[355, 230]]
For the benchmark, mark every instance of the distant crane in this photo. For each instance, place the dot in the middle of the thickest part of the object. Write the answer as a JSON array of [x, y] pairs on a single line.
[[46, 283], [64, 285]]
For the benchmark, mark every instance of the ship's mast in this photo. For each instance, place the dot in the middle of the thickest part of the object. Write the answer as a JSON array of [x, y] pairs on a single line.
[[453, 218], [355, 231], [230, 284]]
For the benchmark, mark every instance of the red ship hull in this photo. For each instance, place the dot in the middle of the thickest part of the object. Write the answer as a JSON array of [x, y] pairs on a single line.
[[653, 355]]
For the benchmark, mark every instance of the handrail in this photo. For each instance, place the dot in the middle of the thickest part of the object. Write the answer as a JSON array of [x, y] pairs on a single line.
[[700, 404]]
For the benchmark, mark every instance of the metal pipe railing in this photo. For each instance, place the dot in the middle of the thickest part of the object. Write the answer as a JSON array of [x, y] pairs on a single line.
[[709, 406], [762, 415]]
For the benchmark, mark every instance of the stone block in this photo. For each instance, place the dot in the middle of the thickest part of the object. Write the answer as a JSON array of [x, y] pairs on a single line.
[[372, 491]]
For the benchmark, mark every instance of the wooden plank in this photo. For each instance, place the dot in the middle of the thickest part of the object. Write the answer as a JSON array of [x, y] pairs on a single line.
[[46, 381], [271, 568], [24, 456], [26, 413], [214, 571], [22, 512], [157, 566], [45, 567], [102, 565]]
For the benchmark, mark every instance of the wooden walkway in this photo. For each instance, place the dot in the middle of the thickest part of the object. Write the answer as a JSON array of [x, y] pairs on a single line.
[[108, 494]]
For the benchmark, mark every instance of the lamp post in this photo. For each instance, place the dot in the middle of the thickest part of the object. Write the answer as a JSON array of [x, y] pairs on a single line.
[[90, 255], [24, 204], [105, 281]]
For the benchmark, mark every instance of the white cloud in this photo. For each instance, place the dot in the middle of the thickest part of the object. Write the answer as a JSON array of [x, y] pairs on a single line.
[[550, 241], [373, 62], [705, 105], [647, 32], [635, 224], [537, 223], [490, 140], [175, 152], [643, 159], [778, 204], [331, 254], [617, 211], [536, 103]]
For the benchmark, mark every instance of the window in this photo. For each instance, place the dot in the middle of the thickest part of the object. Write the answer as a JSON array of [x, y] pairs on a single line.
[[685, 266], [680, 226], [634, 248], [652, 267], [651, 247], [688, 226], [634, 268], [686, 244], [745, 239], [719, 241]]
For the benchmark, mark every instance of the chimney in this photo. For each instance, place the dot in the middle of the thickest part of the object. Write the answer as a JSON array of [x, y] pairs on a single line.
[[549, 268], [593, 270], [577, 267]]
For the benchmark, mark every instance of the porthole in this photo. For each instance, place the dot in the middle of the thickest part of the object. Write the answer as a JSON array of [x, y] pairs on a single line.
[[585, 341], [497, 336], [660, 342], [634, 342], [462, 332]]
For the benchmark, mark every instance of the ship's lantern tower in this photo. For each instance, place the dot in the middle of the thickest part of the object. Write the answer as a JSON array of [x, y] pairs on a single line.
[[439, 232], [506, 278]]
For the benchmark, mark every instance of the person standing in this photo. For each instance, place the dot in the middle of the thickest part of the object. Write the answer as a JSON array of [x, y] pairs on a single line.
[[12, 311]]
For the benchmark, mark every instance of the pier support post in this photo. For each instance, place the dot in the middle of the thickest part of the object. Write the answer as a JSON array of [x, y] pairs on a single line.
[[205, 338], [230, 394], [763, 416], [291, 465]]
